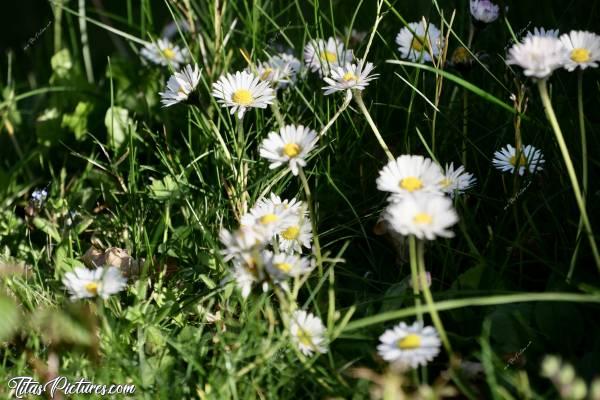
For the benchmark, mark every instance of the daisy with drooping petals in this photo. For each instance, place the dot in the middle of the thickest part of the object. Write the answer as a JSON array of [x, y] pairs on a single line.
[[424, 215], [242, 91], [530, 159], [101, 282], [409, 346], [165, 53], [456, 181], [290, 146], [484, 11], [351, 76], [419, 40], [283, 266], [584, 49], [308, 333], [242, 243], [281, 70], [410, 174], [180, 85], [320, 56], [539, 56], [246, 274], [543, 32], [269, 216]]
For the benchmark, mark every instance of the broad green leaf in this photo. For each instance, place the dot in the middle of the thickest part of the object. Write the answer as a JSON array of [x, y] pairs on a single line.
[[61, 63], [77, 121], [164, 189], [118, 125], [9, 318]]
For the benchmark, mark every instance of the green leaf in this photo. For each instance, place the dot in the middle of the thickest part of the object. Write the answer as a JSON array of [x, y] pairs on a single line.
[[61, 63], [47, 227], [9, 318], [77, 121], [164, 189], [118, 125]]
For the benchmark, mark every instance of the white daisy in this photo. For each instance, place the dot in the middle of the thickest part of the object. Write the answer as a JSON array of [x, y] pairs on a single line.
[[269, 216], [247, 274], [530, 159], [296, 236], [484, 11], [308, 333], [418, 40], [543, 32], [321, 56], [407, 346], [163, 52], [410, 174], [457, 180], [539, 56], [423, 215], [283, 266], [242, 243], [102, 282], [242, 91], [281, 70], [584, 49], [351, 76], [180, 85], [290, 146]]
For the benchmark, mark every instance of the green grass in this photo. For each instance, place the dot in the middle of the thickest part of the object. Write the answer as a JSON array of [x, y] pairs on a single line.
[[162, 182]]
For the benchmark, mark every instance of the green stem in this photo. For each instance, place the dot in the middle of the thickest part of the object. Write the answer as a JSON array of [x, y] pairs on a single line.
[[277, 113], [87, 57], [313, 219], [414, 273], [363, 108], [345, 105], [543, 88]]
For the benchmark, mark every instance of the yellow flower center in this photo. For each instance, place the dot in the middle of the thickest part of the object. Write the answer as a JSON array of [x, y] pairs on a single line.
[[92, 287], [291, 233], [461, 56], [580, 55], [169, 53], [266, 74], [411, 183], [418, 43], [284, 267], [423, 218], [304, 337], [268, 218], [242, 97], [291, 150], [328, 56], [444, 183], [349, 76], [409, 342], [522, 161]]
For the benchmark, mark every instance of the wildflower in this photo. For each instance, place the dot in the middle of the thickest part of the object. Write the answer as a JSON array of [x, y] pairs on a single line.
[[308, 333], [242, 91], [281, 70], [410, 174], [291, 146], [584, 49], [553, 33], [283, 266], [351, 76], [241, 243], [419, 40], [247, 273], [102, 282], [484, 11], [530, 159], [407, 346], [269, 216], [180, 85], [539, 56], [456, 181], [320, 56], [424, 215], [165, 53], [38, 197]]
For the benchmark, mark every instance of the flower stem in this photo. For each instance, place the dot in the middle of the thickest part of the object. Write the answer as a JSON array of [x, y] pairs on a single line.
[[313, 220], [277, 113], [363, 108], [345, 105], [414, 272], [543, 88]]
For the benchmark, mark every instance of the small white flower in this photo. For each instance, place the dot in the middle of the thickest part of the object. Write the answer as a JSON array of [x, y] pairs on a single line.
[[283, 266], [584, 49], [539, 56], [410, 174], [543, 32], [407, 346], [102, 282], [242, 91], [423, 215], [269, 216], [291, 146], [308, 333], [281, 70], [456, 181], [530, 159], [296, 236], [180, 85], [163, 52], [484, 11], [351, 76], [321, 56], [242, 243], [247, 274], [418, 40]]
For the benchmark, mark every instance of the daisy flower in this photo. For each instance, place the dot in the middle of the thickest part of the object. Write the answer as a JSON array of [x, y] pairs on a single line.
[[543, 32], [530, 159], [102, 282], [296, 236], [269, 216], [320, 55], [283, 266], [418, 40], [290, 146], [351, 76], [308, 333], [242, 91], [241, 243], [457, 180], [539, 56], [423, 215], [584, 49], [484, 11], [163, 52], [180, 85], [410, 174], [407, 346], [281, 70], [246, 275]]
